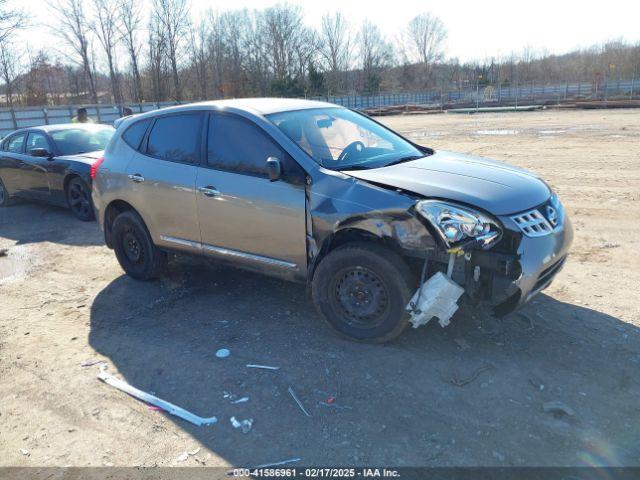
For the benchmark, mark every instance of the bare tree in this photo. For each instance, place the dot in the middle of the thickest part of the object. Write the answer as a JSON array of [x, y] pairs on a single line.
[[199, 55], [106, 30], [11, 19], [129, 26], [173, 17], [156, 51], [9, 68], [375, 54], [335, 46], [72, 28], [424, 41]]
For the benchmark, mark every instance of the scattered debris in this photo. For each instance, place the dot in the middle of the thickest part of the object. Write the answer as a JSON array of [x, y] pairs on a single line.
[[297, 400], [223, 353], [153, 400], [527, 318], [194, 452], [264, 367], [25, 452], [331, 399], [608, 245], [536, 383], [91, 363], [154, 408], [557, 407], [241, 400], [437, 297], [334, 405], [182, 457], [244, 425], [462, 343], [275, 464], [4, 252], [460, 382]]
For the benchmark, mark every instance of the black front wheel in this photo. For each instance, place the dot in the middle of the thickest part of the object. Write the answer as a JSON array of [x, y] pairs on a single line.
[[137, 254], [5, 200], [79, 199], [361, 291]]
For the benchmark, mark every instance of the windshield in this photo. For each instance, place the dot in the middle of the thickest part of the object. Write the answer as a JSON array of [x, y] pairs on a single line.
[[340, 139], [82, 139]]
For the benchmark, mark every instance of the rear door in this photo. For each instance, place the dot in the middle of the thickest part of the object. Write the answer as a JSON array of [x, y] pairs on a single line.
[[244, 216], [162, 178]]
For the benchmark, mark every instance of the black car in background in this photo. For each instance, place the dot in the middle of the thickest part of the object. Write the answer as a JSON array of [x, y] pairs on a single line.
[[53, 163]]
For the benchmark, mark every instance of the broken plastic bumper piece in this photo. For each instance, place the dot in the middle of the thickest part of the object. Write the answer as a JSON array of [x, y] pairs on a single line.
[[437, 297]]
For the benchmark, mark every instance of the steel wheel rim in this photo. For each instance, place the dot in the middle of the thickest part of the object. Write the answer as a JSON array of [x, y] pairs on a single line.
[[133, 247], [361, 296], [79, 199]]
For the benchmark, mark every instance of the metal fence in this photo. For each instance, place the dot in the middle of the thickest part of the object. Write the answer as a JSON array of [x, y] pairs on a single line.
[[14, 118]]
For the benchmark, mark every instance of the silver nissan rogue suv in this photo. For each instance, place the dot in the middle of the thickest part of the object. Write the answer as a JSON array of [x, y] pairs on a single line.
[[384, 231]]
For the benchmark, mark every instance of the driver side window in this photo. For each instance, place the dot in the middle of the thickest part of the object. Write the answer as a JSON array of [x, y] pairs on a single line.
[[37, 140]]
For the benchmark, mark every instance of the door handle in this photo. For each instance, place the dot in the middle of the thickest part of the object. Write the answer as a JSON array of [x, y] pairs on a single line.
[[209, 191], [136, 177]]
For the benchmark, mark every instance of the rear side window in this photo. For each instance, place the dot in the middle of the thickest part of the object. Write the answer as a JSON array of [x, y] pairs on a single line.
[[16, 143], [236, 145], [133, 135], [176, 138]]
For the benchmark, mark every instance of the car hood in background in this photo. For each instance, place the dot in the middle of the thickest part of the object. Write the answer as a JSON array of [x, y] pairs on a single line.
[[87, 157], [493, 186]]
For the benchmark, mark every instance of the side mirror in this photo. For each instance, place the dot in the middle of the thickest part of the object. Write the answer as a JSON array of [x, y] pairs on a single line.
[[40, 152], [275, 168]]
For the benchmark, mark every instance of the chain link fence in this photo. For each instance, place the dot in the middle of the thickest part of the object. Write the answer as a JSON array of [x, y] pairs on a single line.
[[482, 95]]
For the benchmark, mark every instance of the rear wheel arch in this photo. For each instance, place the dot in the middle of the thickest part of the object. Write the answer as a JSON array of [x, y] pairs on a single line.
[[115, 208]]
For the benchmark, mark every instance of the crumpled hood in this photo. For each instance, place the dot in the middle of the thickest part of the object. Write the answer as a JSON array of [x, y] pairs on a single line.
[[490, 185]]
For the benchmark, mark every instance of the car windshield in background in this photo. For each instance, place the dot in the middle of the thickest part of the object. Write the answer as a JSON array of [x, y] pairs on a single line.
[[72, 141], [340, 139]]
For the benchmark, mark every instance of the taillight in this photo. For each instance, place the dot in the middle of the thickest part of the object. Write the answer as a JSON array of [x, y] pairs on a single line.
[[95, 166]]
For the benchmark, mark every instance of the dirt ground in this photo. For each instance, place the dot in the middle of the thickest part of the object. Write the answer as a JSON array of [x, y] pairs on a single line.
[[64, 300]]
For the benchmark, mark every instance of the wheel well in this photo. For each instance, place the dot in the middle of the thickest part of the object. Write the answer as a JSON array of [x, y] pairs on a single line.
[[351, 235], [114, 209], [68, 179]]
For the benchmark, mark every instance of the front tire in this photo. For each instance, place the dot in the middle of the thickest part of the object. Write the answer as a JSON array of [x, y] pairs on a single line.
[[5, 199], [361, 291], [134, 248], [79, 199]]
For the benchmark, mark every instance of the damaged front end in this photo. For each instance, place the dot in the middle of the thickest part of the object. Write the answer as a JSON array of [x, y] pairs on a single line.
[[499, 263]]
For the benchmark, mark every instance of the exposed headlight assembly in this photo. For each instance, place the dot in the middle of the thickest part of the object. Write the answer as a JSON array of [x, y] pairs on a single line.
[[459, 226]]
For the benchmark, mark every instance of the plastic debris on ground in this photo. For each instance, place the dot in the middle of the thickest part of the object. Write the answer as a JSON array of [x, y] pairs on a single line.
[[264, 367], [223, 353], [297, 400], [90, 363], [153, 400], [557, 407], [244, 425], [276, 464], [438, 298]]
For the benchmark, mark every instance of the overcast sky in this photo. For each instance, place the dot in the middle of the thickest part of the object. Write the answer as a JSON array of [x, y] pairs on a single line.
[[477, 29]]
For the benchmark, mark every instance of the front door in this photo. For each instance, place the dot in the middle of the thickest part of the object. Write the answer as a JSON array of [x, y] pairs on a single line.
[[37, 168], [244, 216], [163, 178]]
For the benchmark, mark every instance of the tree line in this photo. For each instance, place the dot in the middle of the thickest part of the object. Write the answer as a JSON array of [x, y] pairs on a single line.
[[121, 51]]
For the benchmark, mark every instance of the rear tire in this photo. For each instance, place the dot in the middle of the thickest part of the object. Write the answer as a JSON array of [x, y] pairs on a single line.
[[134, 248], [361, 291], [79, 199], [5, 199]]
